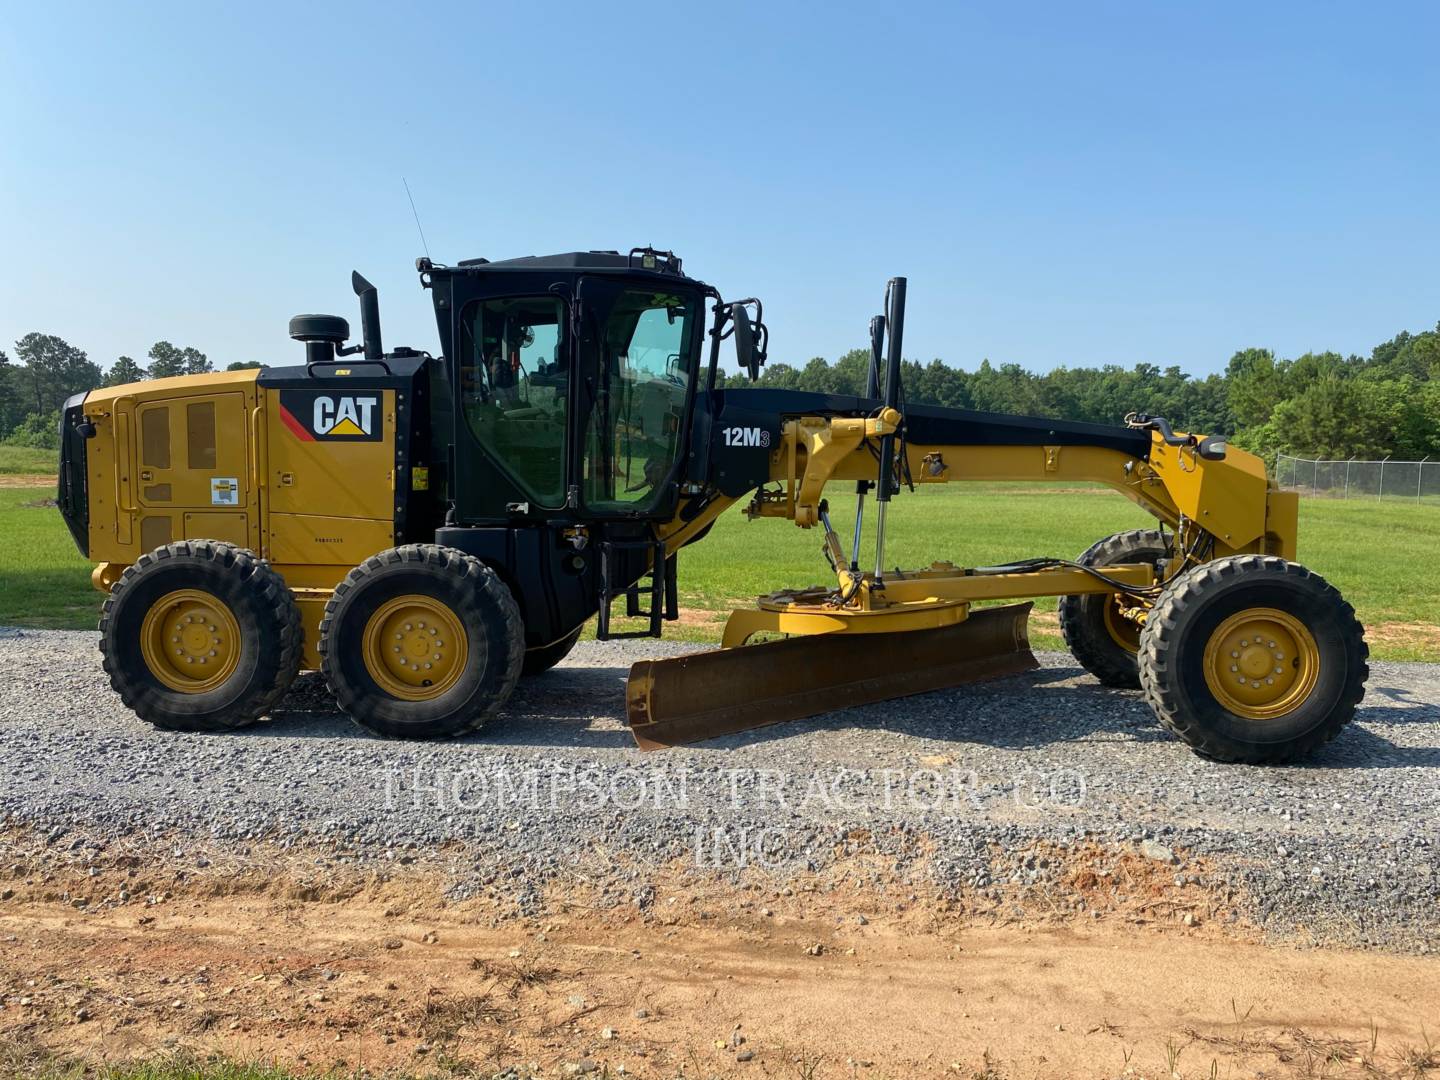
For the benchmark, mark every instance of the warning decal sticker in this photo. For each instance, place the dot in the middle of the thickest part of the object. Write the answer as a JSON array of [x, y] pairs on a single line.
[[224, 491]]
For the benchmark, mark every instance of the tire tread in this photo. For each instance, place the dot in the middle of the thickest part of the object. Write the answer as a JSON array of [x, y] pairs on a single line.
[[538, 661], [1155, 659], [486, 583], [1097, 652], [277, 598]]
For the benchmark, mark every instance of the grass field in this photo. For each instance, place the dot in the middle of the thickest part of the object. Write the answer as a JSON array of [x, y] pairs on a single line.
[[1382, 556], [21, 460], [44, 581]]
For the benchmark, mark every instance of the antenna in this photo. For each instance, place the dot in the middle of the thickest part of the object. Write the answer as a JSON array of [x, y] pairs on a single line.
[[418, 227]]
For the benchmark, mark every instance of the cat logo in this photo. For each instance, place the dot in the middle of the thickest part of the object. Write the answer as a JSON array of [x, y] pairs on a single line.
[[312, 415], [343, 416]]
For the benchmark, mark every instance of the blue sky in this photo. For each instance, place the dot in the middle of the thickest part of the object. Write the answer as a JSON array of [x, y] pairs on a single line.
[[1062, 184]]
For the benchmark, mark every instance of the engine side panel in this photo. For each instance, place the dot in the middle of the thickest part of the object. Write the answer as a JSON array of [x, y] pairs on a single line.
[[329, 474], [171, 459], [315, 474]]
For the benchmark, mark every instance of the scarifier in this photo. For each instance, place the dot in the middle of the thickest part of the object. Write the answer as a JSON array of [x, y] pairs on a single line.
[[426, 530]]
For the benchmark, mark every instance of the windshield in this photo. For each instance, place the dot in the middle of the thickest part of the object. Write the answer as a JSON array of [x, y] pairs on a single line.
[[633, 434]]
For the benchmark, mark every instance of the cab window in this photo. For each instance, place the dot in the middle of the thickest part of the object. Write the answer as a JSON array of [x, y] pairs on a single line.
[[632, 434], [514, 386]]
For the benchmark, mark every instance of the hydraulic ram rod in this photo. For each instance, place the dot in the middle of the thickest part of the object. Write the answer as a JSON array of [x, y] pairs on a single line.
[[895, 318], [872, 391]]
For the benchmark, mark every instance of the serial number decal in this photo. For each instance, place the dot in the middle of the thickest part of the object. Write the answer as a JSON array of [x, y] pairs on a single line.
[[746, 436]]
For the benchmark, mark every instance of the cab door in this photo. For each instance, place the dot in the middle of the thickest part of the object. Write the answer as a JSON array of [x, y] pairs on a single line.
[[640, 346], [514, 392]]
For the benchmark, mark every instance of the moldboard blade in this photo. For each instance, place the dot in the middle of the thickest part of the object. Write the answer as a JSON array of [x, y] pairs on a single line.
[[704, 695]]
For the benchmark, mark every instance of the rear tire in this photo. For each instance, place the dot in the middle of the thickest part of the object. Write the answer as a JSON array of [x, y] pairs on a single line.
[[538, 661], [231, 651], [1096, 633], [421, 642], [1253, 659]]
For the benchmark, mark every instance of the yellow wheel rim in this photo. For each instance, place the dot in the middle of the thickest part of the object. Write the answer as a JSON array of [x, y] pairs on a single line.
[[190, 641], [1261, 663], [415, 647], [1125, 632]]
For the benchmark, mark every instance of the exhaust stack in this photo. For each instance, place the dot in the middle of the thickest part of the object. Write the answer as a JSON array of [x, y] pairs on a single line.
[[369, 316]]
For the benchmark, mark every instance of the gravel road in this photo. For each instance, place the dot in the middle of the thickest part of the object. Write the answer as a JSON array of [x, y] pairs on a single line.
[[957, 787]]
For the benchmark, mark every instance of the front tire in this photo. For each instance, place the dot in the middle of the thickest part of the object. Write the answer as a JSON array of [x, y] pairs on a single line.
[[1253, 659], [421, 642], [200, 636], [1096, 632]]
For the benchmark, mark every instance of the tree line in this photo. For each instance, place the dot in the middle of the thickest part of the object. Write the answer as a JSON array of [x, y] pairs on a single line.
[[1316, 405], [47, 369]]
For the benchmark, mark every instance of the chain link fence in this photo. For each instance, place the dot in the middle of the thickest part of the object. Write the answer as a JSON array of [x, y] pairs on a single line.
[[1417, 481]]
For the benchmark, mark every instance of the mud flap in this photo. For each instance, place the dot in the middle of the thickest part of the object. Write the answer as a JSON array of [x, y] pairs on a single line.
[[708, 694]]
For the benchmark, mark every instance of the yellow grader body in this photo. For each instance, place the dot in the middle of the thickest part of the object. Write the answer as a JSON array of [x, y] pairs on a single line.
[[213, 458], [314, 507], [425, 531]]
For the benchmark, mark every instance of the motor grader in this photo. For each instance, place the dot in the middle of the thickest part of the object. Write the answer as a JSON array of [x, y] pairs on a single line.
[[427, 529]]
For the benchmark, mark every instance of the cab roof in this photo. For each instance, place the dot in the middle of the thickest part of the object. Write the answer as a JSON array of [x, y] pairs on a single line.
[[664, 262]]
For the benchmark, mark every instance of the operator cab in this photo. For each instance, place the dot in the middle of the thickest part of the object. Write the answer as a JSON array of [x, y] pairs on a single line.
[[566, 385]]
